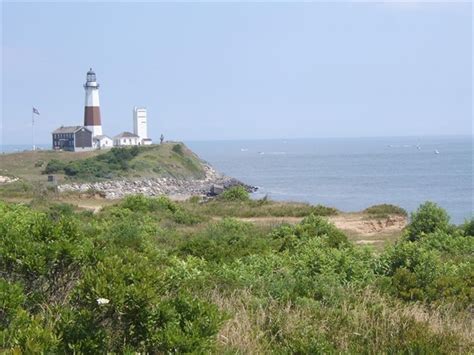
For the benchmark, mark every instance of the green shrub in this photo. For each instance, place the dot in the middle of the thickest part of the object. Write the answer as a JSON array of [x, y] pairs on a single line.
[[112, 163], [315, 261], [12, 300], [450, 244], [139, 315], [58, 210], [160, 205], [310, 227], [225, 241], [235, 193], [384, 210], [435, 269], [468, 227], [183, 325], [178, 149], [320, 210], [54, 166], [428, 218], [38, 248]]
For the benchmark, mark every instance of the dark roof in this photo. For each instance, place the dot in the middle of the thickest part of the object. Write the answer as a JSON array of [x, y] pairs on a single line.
[[126, 135], [69, 129]]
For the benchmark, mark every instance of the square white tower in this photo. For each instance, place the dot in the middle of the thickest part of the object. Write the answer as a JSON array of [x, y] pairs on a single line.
[[140, 122]]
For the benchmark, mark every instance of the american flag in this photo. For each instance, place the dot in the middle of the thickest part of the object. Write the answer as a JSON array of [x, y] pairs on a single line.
[[35, 111]]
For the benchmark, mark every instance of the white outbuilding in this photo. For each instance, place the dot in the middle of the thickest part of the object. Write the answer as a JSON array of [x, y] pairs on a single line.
[[126, 139], [103, 142]]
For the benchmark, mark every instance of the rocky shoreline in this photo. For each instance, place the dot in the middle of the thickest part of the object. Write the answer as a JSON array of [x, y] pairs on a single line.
[[212, 184]]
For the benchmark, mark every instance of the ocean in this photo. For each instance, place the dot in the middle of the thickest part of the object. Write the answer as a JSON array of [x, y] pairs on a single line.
[[352, 174]]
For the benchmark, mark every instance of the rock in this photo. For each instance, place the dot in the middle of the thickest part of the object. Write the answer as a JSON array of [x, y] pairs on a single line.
[[7, 180], [212, 184], [216, 190]]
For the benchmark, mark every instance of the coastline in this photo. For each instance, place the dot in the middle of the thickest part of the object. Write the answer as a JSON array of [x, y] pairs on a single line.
[[174, 188]]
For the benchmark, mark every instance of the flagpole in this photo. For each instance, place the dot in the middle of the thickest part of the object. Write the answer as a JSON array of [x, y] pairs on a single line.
[[33, 128]]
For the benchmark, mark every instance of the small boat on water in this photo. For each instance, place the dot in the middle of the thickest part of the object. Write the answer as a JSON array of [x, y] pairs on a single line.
[[436, 151], [243, 149]]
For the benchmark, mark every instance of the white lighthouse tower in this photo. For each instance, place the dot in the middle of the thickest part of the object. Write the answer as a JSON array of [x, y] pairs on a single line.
[[92, 106]]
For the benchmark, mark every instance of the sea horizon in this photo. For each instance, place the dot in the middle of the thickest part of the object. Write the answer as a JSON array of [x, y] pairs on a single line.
[[45, 145]]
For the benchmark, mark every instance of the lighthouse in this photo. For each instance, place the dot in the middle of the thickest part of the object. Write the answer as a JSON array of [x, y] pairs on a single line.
[[92, 106]]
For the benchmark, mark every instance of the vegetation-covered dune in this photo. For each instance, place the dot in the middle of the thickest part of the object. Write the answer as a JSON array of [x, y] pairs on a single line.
[[155, 276]]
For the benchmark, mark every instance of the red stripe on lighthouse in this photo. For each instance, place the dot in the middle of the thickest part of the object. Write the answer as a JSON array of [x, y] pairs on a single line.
[[92, 116]]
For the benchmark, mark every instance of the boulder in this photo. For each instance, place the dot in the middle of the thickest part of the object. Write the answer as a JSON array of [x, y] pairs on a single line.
[[216, 189]]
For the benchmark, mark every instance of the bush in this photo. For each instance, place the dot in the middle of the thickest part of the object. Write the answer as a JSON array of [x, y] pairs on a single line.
[[468, 227], [141, 315], [104, 166], [11, 301], [428, 218], [224, 241], [37, 248], [183, 325], [311, 227], [160, 205], [320, 210], [54, 166], [235, 193], [435, 269], [178, 149], [385, 210]]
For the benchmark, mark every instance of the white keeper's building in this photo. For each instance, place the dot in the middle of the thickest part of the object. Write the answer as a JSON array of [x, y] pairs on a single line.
[[126, 139]]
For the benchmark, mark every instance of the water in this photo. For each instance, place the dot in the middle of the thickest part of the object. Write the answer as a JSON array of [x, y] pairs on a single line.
[[12, 148], [352, 174], [349, 174]]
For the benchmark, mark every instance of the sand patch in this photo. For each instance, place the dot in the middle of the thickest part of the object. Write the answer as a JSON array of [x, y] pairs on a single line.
[[365, 225], [353, 223]]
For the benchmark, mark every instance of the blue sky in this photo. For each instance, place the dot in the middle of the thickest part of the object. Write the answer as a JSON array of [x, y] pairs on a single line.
[[241, 70]]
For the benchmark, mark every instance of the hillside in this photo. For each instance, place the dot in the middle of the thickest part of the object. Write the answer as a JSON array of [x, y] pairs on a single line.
[[169, 159], [169, 168]]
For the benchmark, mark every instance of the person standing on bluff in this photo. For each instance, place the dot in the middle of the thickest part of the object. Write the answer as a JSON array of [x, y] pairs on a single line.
[[162, 137]]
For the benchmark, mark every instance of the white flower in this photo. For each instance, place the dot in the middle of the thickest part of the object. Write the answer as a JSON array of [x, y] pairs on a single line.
[[102, 301]]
